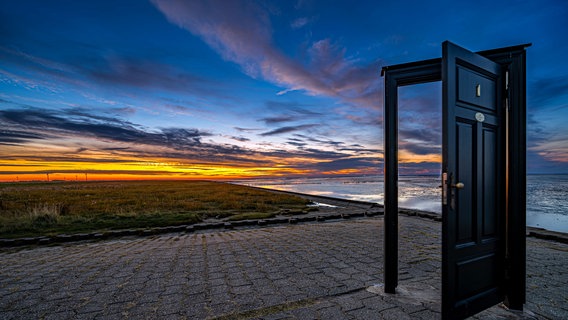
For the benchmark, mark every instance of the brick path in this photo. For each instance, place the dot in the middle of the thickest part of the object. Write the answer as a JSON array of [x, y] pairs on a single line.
[[307, 271]]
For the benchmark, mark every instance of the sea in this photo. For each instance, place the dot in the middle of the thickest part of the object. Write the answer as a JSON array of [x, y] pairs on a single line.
[[547, 195]]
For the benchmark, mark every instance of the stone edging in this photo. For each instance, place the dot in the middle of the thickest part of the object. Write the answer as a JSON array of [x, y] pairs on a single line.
[[372, 210], [62, 238]]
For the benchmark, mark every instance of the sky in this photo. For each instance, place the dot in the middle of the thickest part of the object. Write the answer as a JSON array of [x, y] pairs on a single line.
[[227, 89]]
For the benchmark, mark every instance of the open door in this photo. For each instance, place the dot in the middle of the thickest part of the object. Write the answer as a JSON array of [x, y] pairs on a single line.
[[473, 173]]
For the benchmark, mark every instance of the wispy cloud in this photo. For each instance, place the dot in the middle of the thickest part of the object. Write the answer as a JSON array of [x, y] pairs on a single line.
[[143, 74], [241, 32], [248, 130], [288, 112], [80, 123], [300, 22], [288, 129], [18, 137]]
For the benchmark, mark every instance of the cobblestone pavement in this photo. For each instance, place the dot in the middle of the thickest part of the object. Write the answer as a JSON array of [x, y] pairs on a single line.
[[330, 270]]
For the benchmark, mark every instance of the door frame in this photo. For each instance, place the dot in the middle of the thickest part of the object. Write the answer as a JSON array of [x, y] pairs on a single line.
[[513, 61]]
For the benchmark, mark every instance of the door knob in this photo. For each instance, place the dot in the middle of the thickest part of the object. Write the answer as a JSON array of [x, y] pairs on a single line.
[[458, 185]]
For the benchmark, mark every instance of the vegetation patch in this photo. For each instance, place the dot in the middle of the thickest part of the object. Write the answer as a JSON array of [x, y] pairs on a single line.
[[49, 208], [251, 216]]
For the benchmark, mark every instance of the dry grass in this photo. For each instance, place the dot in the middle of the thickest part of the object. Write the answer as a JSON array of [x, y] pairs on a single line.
[[31, 209]]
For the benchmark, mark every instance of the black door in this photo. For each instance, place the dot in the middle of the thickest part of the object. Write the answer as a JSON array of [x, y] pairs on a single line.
[[474, 181]]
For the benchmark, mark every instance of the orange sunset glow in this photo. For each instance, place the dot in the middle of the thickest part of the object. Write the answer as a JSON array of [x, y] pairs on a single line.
[[237, 90]]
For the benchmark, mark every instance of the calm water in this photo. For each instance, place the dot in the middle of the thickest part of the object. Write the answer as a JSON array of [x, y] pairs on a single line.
[[547, 195]]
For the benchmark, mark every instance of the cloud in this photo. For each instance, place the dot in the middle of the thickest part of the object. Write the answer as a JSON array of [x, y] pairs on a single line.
[[300, 22], [288, 112], [246, 129], [9, 137], [297, 144], [241, 32], [369, 120], [287, 129], [77, 122], [327, 142], [279, 119], [143, 74], [421, 135], [121, 141], [94, 68], [183, 137], [366, 165]]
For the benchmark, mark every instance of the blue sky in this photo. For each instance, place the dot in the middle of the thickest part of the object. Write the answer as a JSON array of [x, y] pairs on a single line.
[[252, 88]]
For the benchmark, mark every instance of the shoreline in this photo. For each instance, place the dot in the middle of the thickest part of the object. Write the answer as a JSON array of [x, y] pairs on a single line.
[[535, 232], [334, 209]]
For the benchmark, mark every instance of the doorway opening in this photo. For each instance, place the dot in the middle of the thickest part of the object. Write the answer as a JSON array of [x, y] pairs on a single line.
[[420, 147]]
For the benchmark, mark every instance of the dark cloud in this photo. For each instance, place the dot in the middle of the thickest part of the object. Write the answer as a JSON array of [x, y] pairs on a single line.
[[279, 119], [246, 129], [322, 154], [47, 158], [369, 120], [79, 122], [287, 129], [420, 141], [18, 137], [183, 137], [419, 149], [330, 143], [347, 163], [297, 144], [361, 150], [426, 135], [116, 149], [289, 111], [240, 139]]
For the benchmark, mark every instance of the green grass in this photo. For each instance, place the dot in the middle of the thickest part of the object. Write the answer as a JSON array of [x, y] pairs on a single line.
[[35, 209]]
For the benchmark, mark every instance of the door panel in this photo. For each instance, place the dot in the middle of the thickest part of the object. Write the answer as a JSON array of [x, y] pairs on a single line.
[[472, 230], [489, 178], [466, 284], [463, 200], [469, 94]]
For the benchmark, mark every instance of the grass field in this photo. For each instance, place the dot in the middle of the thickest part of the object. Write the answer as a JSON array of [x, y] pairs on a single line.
[[34, 209]]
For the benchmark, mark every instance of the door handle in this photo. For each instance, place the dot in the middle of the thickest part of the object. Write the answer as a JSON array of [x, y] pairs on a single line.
[[448, 195], [444, 188], [458, 185]]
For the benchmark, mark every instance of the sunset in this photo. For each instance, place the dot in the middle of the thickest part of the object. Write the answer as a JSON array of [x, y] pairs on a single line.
[[237, 89], [283, 159]]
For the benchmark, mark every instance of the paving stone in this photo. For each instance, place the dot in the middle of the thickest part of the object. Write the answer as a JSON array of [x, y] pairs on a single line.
[[301, 271], [331, 313]]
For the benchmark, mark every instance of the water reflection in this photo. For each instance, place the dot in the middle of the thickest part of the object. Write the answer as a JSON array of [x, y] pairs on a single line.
[[547, 195]]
